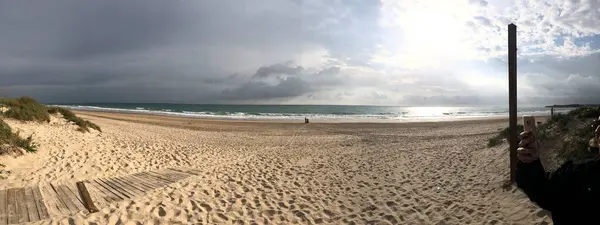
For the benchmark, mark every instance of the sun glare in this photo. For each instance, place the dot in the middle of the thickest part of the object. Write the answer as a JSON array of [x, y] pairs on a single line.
[[428, 34]]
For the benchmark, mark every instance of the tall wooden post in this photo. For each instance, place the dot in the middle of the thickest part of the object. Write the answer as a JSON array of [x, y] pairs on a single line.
[[512, 99]]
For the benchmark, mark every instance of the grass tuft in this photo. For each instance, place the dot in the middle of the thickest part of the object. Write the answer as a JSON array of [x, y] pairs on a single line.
[[568, 135], [84, 125], [11, 141], [502, 135], [25, 109]]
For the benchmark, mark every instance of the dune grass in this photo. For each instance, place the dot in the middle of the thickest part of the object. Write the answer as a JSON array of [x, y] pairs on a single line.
[[84, 125], [25, 109], [10, 141], [567, 134], [502, 135], [28, 109]]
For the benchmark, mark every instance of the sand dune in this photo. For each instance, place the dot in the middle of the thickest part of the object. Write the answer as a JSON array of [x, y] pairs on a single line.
[[271, 173]]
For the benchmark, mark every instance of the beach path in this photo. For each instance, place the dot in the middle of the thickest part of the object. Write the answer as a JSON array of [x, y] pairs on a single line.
[[34, 203]]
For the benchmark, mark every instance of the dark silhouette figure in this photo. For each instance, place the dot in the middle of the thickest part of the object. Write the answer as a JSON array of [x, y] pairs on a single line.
[[571, 193]]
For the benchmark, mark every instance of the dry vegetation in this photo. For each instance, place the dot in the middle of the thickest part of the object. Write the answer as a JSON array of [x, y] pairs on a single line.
[[28, 109], [567, 135]]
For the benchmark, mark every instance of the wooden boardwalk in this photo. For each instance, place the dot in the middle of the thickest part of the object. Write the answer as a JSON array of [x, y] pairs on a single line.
[[28, 204]]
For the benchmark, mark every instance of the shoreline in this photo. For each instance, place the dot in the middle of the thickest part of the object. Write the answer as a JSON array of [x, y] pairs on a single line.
[[111, 115]]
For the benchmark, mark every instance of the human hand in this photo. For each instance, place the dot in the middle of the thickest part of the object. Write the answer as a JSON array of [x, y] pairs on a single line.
[[527, 151]]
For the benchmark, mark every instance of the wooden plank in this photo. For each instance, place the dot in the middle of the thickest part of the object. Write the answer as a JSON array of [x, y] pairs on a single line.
[[171, 175], [22, 206], [140, 187], [3, 207], [11, 198], [175, 173], [153, 179], [128, 188], [101, 191], [85, 196], [73, 190], [116, 187], [64, 198], [156, 177], [148, 186], [97, 195], [73, 194], [54, 205], [162, 176], [171, 179], [109, 190], [30, 202], [39, 203]]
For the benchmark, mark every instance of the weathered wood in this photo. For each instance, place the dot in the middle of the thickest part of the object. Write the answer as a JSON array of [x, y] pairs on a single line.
[[126, 187], [149, 180], [170, 179], [116, 187], [3, 207], [74, 196], [141, 190], [85, 196], [39, 203], [159, 177], [143, 181], [153, 179], [109, 190], [22, 206], [11, 198], [97, 196], [54, 205], [73, 188], [30, 203], [512, 99], [147, 185], [64, 197]]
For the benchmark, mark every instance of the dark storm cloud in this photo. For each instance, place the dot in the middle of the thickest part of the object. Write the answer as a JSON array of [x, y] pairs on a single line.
[[292, 81], [78, 29], [256, 90], [67, 50]]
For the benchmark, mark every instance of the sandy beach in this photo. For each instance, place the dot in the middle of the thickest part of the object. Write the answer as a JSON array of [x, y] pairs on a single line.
[[283, 173]]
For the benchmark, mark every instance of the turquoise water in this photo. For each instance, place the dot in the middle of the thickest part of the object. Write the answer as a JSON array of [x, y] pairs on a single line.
[[314, 112]]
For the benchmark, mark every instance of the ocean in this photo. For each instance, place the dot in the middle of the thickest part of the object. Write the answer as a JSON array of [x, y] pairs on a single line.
[[313, 112]]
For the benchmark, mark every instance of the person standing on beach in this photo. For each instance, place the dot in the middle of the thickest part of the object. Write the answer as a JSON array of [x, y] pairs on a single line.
[[571, 193]]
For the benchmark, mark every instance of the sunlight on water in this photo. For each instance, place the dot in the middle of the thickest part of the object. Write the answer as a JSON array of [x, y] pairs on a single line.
[[432, 111]]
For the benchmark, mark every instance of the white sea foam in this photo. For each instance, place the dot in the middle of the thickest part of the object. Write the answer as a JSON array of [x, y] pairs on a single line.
[[379, 117]]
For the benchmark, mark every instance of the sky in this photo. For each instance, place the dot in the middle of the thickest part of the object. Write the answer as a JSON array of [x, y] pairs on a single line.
[[371, 52]]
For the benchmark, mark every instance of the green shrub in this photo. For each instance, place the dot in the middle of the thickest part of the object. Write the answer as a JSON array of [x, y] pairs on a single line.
[[585, 112], [9, 141], [562, 121], [84, 125], [25, 109]]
